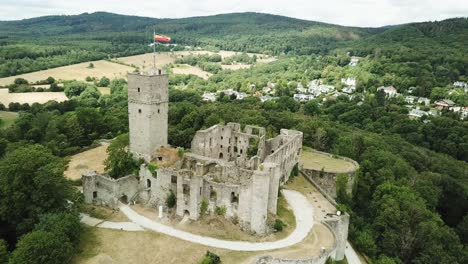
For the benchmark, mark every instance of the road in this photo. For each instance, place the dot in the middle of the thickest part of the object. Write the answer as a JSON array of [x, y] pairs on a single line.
[[351, 255], [302, 208]]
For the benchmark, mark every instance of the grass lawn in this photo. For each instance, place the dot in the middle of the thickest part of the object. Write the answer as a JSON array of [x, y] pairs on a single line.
[[8, 118], [317, 161]]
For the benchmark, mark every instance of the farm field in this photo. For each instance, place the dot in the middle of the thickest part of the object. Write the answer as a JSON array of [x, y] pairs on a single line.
[[74, 72], [36, 97], [92, 159], [317, 161], [8, 118]]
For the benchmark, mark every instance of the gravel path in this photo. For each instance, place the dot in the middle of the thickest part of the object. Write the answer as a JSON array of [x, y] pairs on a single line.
[[303, 211], [126, 226]]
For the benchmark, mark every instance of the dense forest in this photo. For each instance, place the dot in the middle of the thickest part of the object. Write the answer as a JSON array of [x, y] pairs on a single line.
[[408, 204]]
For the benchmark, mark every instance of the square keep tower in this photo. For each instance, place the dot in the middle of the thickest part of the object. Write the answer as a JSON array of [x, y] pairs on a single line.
[[148, 106]]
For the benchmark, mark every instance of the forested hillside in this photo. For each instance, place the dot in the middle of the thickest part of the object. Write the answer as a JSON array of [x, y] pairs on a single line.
[[45, 42]]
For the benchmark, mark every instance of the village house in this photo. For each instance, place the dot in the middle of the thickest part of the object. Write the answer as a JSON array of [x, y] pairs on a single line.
[[417, 113], [354, 61], [389, 91], [209, 97], [349, 89], [349, 81], [303, 97], [410, 99], [444, 104], [424, 101]]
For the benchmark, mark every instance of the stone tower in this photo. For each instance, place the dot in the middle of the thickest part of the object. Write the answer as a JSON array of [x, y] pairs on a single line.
[[148, 106]]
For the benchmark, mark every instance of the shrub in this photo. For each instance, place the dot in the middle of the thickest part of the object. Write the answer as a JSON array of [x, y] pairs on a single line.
[[204, 207], [153, 169], [220, 210], [171, 200], [91, 65], [104, 82], [279, 225], [20, 81], [210, 258]]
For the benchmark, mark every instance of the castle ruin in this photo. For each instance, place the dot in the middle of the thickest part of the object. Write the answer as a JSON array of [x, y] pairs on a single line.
[[229, 168]]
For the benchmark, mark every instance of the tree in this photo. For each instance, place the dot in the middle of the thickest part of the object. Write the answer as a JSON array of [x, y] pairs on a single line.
[[3, 252], [31, 184], [120, 161], [342, 195], [74, 88], [311, 108], [50, 80], [40, 247], [64, 224], [104, 82]]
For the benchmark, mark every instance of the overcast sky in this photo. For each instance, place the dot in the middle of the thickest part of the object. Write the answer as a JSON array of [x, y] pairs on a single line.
[[344, 12]]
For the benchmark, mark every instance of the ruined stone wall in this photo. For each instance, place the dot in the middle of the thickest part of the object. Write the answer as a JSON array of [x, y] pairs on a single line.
[[103, 190], [228, 143], [339, 225], [286, 154], [327, 180], [148, 108]]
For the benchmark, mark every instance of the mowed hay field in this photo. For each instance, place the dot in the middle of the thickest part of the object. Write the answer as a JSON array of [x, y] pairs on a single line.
[[30, 98], [75, 72], [92, 159], [317, 161]]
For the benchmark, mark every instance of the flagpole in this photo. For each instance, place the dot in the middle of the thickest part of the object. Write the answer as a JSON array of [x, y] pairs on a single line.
[[154, 50]]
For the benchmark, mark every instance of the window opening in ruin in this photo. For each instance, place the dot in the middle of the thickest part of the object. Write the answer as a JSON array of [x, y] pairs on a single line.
[[229, 140], [220, 155], [273, 151], [148, 183], [138, 89], [211, 141], [160, 158], [221, 146], [139, 111], [185, 189], [173, 179], [236, 140], [124, 199], [186, 213], [200, 190], [255, 131], [94, 194], [221, 137], [212, 193], [235, 149], [159, 72], [241, 151], [229, 149], [158, 111], [234, 198]]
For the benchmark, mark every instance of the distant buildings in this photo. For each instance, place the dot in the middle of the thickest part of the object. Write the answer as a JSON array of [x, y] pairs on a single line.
[[460, 84], [424, 101]]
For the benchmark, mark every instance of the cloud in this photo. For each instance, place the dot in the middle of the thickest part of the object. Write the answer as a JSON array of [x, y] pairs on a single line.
[[344, 12]]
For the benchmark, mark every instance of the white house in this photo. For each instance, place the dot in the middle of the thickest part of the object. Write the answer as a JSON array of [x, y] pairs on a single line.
[[389, 91], [410, 99], [460, 84], [267, 98], [209, 97], [349, 81], [303, 97], [354, 61], [349, 89], [417, 113], [424, 101]]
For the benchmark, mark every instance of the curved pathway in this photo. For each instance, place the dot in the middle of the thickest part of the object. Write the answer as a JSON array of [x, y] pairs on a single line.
[[302, 208]]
